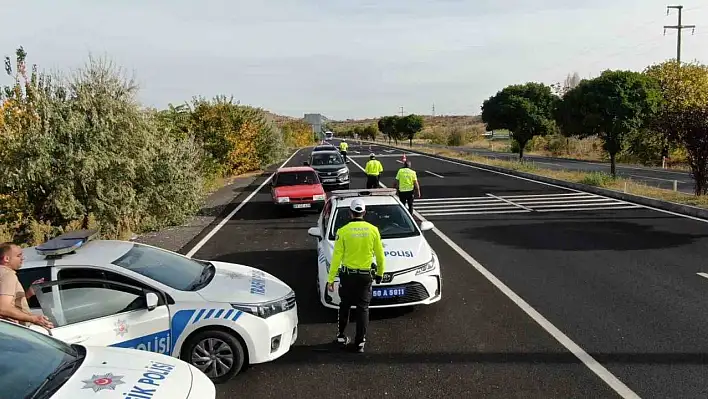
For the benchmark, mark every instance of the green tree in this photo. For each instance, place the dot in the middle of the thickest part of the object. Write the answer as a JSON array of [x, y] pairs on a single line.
[[370, 132], [387, 126], [682, 87], [611, 106], [408, 126], [688, 125], [526, 110]]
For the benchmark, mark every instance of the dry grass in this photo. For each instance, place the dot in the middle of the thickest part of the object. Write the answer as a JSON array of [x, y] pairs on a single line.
[[593, 178]]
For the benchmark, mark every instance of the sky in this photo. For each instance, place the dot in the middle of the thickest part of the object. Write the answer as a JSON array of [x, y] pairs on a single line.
[[349, 58]]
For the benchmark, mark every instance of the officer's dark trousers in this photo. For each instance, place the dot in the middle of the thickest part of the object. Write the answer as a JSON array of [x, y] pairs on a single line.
[[344, 155], [407, 198], [355, 290], [372, 181]]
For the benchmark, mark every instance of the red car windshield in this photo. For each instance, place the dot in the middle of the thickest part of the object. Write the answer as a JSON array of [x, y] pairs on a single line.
[[296, 178]]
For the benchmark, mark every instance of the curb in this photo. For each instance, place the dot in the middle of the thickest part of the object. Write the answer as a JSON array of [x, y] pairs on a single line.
[[637, 199]]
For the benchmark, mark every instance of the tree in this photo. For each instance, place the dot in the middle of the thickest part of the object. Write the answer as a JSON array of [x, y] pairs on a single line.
[[408, 127], [370, 132], [682, 87], [387, 126], [688, 125], [612, 106], [526, 110]]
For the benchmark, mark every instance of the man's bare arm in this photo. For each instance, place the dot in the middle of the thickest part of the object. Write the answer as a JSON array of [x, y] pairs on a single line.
[[8, 309]]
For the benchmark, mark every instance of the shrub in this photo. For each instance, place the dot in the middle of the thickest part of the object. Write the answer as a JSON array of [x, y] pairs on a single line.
[[457, 137]]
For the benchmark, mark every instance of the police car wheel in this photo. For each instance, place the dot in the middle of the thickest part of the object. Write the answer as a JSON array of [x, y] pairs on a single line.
[[218, 354]]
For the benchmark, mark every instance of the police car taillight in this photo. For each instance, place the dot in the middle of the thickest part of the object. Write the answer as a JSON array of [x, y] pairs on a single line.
[[66, 243]]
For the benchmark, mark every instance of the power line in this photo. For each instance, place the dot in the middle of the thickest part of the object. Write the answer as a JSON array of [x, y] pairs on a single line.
[[679, 27]]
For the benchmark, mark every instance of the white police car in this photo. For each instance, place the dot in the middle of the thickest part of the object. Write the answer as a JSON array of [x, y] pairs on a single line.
[[37, 366], [216, 316], [412, 272]]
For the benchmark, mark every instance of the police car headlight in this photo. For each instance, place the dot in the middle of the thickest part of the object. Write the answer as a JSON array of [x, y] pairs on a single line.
[[282, 200], [426, 267], [268, 309]]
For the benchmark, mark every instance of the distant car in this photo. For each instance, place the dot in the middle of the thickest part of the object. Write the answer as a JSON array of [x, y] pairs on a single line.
[[297, 187], [38, 366], [329, 135], [330, 167], [217, 316], [412, 273]]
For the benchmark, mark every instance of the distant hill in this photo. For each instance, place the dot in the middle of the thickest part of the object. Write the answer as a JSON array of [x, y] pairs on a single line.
[[430, 122]]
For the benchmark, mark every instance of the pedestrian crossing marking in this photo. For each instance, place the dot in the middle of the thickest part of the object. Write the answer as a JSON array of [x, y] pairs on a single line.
[[493, 204]]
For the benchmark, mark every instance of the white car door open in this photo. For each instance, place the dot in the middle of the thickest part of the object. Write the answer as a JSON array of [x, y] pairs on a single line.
[[106, 313]]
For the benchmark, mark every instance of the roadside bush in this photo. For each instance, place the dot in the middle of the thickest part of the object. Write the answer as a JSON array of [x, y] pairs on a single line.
[[598, 179], [457, 137], [297, 133]]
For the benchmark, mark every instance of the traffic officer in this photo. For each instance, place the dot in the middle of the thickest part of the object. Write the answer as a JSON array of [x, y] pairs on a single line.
[[406, 179], [373, 169], [343, 149], [354, 245]]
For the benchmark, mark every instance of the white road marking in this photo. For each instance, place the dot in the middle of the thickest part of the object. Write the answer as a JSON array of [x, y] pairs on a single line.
[[221, 224], [703, 274], [566, 188], [657, 178], [434, 174], [563, 339], [509, 202]]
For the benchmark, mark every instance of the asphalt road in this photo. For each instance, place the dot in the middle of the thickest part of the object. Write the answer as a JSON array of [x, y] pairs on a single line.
[[618, 280], [651, 176]]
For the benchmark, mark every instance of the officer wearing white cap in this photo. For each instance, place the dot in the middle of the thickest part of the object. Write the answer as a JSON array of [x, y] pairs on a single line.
[[354, 246]]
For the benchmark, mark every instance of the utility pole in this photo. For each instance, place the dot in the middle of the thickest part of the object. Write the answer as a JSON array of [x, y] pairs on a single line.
[[433, 109], [401, 111], [679, 27]]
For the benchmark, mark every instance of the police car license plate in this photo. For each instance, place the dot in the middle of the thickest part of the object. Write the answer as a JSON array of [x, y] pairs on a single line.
[[301, 206], [388, 292]]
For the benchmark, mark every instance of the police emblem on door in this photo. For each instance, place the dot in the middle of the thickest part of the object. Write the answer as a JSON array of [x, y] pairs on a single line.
[[121, 328], [99, 382]]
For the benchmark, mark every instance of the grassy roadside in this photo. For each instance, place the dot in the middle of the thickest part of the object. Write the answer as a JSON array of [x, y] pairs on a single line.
[[597, 179]]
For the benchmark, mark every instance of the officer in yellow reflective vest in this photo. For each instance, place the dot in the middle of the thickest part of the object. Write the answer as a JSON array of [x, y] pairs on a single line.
[[373, 170], [343, 149], [406, 179], [354, 246]]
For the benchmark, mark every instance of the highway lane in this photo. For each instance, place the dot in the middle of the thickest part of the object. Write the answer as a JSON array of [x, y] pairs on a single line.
[[475, 342], [620, 280], [651, 176]]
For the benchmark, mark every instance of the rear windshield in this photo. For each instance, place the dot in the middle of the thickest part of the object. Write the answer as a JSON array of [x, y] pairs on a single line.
[[392, 221], [331, 158], [296, 178]]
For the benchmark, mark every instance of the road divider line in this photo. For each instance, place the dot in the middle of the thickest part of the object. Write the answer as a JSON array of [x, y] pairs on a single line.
[[596, 367], [657, 178], [434, 174], [509, 202], [703, 274], [225, 220]]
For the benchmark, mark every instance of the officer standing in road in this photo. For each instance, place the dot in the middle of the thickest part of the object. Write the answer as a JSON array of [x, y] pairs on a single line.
[[373, 170], [343, 149], [355, 243], [406, 179]]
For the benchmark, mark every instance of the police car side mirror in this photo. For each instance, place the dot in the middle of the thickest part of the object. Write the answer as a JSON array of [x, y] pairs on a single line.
[[315, 232], [151, 300], [425, 226]]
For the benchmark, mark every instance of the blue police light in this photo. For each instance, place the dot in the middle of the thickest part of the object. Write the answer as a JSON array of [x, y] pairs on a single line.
[[66, 243]]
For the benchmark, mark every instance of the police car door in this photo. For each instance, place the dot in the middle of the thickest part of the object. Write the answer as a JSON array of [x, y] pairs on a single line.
[[106, 313]]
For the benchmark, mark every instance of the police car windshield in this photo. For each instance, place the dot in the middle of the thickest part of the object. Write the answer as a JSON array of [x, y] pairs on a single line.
[[168, 268], [295, 178], [330, 158], [31, 357], [392, 221]]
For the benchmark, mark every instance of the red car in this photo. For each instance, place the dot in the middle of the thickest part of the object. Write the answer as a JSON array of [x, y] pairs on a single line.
[[297, 187]]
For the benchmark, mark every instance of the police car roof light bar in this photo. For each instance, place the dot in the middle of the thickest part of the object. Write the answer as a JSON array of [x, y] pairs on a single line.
[[66, 243], [363, 193]]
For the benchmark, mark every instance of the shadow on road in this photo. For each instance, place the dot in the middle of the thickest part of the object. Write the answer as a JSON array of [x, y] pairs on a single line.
[[580, 236], [328, 353]]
